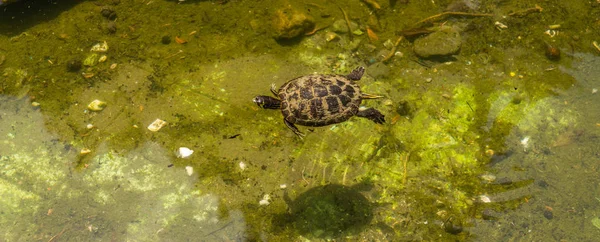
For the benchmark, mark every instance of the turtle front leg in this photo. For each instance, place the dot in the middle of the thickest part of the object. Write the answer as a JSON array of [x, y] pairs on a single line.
[[294, 128], [372, 114], [357, 73]]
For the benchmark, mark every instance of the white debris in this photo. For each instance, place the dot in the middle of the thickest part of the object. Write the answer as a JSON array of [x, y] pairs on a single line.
[[283, 186], [500, 26], [242, 165], [594, 90], [156, 125], [89, 126], [525, 142], [265, 200], [485, 199], [189, 170], [183, 152]]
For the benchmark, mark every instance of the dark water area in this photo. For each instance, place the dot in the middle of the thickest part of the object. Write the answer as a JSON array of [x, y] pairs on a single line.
[[134, 120]]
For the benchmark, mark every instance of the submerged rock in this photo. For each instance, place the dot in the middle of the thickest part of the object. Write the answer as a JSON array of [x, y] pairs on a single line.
[[289, 24], [330, 211], [444, 42]]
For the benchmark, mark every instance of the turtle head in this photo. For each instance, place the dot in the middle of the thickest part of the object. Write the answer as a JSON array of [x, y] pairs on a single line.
[[267, 102]]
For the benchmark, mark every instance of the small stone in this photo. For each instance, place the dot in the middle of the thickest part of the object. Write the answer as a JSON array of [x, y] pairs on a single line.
[[108, 13], [542, 184], [96, 105], [74, 65], [111, 27], [85, 151], [440, 43], [340, 26], [485, 199], [379, 70], [548, 214], [165, 40], [452, 228]]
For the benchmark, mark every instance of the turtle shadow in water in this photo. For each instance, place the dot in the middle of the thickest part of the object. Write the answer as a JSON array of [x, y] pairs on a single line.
[[328, 212]]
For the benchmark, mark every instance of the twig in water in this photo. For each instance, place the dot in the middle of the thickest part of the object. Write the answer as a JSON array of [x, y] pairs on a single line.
[[522, 13], [445, 14], [393, 51], [347, 23]]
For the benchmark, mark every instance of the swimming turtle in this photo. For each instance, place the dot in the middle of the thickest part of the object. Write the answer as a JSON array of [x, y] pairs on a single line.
[[319, 100]]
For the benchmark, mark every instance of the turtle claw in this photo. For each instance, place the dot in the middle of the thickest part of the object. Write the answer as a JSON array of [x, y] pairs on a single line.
[[274, 89], [294, 128]]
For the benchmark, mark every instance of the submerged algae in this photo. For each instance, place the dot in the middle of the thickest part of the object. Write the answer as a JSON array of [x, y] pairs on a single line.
[[135, 194]]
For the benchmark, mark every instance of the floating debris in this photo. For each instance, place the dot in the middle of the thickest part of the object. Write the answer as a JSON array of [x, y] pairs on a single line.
[[189, 170], [96, 105], [184, 152], [156, 125]]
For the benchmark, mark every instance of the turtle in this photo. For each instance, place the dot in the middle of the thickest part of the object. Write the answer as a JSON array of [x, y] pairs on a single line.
[[319, 100]]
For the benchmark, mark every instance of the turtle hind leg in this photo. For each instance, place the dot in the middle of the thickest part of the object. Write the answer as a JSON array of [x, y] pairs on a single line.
[[356, 74], [294, 128], [372, 114]]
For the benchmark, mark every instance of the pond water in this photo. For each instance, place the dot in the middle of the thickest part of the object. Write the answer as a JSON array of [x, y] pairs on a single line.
[[491, 125]]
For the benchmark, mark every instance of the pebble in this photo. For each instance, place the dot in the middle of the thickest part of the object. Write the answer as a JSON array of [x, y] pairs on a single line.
[[96, 105], [189, 170]]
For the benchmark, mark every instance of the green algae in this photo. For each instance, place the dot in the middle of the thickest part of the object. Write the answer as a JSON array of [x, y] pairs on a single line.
[[426, 165]]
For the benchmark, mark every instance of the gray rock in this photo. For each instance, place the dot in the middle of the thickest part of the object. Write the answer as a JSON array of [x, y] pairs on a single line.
[[444, 42], [378, 70]]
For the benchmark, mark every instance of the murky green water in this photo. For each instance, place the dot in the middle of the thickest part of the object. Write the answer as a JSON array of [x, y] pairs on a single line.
[[496, 141]]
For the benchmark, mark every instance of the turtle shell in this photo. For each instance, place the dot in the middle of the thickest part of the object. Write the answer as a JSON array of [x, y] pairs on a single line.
[[319, 100]]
